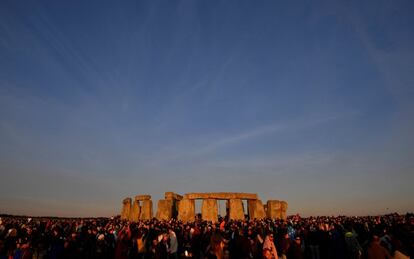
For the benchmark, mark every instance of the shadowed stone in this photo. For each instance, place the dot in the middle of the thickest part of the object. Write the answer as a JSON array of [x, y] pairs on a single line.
[[236, 210], [283, 209], [126, 208], [136, 210], [222, 195], [209, 210], [146, 210], [165, 209], [227, 208], [186, 210], [143, 197], [256, 209], [273, 209]]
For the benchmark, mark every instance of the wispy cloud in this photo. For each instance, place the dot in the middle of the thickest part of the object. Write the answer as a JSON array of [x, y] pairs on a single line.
[[202, 146], [261, 131], [240, 137]]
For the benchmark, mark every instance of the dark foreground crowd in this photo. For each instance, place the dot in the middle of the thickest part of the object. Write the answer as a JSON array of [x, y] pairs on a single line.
[[388, 236]]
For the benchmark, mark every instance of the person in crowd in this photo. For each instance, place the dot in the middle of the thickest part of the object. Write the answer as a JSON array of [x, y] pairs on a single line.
[[162, 247], [267, 253], [354, 249], [173, 247], [284, 244], [241, 247], [106, 238], [122, 243], [376, 251], [295, 250], [269, 244], [215, 249]]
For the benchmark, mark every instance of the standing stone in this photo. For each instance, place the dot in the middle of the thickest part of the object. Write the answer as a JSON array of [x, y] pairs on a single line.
[[165, 209], [175, 198], [186, 210], [136, 210], [273, 209], [283, 209], [126, 208], [236, 209], [256, 209], [209, 211], [146, 210]]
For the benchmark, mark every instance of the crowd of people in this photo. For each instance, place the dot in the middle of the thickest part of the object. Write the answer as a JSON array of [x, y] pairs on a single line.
[[388, 236]]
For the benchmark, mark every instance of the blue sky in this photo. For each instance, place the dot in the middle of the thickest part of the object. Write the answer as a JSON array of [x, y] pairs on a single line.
[[308, 102]]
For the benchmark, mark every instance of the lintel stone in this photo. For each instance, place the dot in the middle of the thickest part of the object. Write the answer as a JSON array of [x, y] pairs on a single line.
[[173, 196], [222, 195], [143, 197]]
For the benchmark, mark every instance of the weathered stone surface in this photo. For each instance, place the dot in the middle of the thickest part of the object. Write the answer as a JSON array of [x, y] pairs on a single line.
[[146, 210], [209, 211], [183, 208], [236, 210], [165, 209], [126, 208], [222, 195], [173, 196], [273, 209], [135, 213], [256, 209], [283, 209], [186, 210], [143, 197]]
